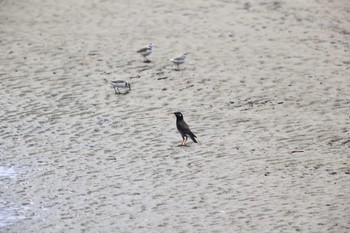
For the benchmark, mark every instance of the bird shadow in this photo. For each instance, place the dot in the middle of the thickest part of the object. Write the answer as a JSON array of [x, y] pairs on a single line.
[[183, 145], [122, 93]]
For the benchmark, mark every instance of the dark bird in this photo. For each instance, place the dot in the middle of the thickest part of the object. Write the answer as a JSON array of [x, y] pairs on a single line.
[[183, 129]]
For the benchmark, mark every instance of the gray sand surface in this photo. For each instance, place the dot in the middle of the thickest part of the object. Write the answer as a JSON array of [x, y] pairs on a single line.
[[266, 89]]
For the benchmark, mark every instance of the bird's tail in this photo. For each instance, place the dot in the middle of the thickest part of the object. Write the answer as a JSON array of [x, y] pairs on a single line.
[[193, 137]]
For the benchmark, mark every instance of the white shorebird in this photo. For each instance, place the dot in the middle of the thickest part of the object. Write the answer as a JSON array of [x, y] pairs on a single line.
[[179, 60], [144, 52], [120, 83]]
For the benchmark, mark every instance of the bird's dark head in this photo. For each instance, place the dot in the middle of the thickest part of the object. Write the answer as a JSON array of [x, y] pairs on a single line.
[[178, 115], [128, 85]]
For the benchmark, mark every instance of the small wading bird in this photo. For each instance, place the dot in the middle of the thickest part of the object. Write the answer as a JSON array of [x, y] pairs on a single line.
[[120, 84], [144, 52], [183, 129], [179, 60]]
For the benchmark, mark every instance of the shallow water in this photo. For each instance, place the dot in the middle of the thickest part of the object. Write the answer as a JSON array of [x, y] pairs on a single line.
[[7, 172], [8, 211]]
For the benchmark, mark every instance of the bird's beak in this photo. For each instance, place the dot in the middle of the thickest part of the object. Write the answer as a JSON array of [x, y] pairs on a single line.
[[171, 113]]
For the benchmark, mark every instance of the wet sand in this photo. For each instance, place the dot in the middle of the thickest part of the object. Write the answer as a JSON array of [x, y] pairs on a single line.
[[266, 89]]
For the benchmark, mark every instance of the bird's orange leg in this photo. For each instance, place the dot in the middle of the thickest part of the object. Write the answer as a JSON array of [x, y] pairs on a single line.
[[185, 141], [182, 143]]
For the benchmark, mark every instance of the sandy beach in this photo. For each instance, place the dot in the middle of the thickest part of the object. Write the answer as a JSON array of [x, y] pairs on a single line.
[[266, 89]]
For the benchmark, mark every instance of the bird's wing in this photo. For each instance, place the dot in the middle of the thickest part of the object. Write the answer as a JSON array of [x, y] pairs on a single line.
[[184, 127], [142, 50], [178, 58]]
